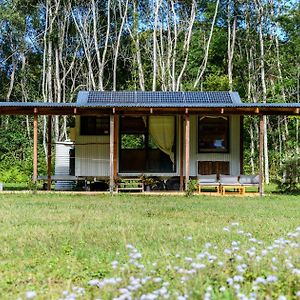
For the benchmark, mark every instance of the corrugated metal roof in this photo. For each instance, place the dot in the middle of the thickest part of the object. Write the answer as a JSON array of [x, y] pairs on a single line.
[[37, 104], [150, 102], [156, 99]]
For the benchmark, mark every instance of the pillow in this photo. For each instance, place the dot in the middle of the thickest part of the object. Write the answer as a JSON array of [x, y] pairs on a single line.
[[228, 179], [207, 178], [249, 179]]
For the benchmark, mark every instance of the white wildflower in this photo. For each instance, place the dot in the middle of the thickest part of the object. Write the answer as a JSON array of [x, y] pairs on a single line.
[[30, 294], [272, 278]]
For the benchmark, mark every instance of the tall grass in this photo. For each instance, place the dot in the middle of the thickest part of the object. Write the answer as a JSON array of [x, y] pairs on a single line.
[[61, 246]]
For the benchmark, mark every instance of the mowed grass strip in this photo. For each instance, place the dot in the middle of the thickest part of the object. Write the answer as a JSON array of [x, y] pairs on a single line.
[[51, 242]]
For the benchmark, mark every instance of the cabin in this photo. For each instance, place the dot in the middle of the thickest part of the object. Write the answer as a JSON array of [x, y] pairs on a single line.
[[149, 135], [169, 135]]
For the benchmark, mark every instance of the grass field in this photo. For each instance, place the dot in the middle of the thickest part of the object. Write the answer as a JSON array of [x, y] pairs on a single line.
[[55, 243]]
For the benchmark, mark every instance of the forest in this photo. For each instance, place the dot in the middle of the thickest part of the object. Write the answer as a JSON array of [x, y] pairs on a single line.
[[51, 49]]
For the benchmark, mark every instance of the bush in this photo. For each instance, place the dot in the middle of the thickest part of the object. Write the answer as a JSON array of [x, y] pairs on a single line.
[[13, 175], [290, 176]]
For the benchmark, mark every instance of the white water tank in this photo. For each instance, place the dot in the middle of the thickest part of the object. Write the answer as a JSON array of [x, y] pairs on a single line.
[[62, 165]]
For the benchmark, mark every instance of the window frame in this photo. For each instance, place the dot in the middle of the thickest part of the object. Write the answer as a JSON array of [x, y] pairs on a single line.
[[102, 131], [226, 132]]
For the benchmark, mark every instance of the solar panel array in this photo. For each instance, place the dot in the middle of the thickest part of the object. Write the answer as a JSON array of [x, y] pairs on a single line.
[[158, 98]]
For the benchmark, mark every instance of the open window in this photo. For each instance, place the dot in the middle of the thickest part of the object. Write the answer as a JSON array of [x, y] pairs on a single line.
[[147, 144], [213, 134]]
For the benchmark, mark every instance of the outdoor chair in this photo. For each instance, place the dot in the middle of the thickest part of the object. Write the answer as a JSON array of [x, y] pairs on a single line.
[[231, 182], [249, 181], [208, 181]]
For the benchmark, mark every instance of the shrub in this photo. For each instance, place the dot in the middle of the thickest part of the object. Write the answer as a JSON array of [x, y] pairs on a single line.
[[290, 176], [13, 175]]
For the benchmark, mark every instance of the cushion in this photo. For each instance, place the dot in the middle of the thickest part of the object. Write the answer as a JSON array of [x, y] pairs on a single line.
[[229, 179], [207, 178], [249, 179]]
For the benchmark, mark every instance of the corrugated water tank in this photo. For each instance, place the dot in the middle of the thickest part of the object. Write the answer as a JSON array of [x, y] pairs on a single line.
[[62, 165]]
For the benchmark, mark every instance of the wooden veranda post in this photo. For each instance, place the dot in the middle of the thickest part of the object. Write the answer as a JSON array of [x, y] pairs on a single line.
[[187, 151], [241, 144], [35, 150], [181, 152], [111, 151], [49, 158], [115, 145], [261, 155]]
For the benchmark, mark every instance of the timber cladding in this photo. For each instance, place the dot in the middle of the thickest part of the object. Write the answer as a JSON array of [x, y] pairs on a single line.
[[213, 167]]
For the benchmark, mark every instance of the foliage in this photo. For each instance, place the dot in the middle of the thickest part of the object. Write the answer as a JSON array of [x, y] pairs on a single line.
[[289, 182], [192, 187], [13, 175]]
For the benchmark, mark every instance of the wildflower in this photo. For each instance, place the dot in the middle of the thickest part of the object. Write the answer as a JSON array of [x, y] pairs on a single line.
[[240, 269], [189, 238], [212, 258], [272, 278], [260, 280], [274, 268], [222, 289], [30, 294], [238, 278], [79, 290], [296, 271], [298, 294], [282, 297], [94, 282], [188, 259], [226, 229], [235, 224], [207, 245], [198, 266], [201, 256], [258, 258], [229, 281], [242, 296], [227, 251], [239, 257]]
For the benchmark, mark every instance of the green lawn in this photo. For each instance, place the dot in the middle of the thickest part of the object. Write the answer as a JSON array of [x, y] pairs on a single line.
[[51, 243]]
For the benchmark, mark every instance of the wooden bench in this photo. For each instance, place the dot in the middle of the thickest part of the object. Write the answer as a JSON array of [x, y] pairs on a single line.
[[130, 185], [240, 189], [208, 181], [231, 182]]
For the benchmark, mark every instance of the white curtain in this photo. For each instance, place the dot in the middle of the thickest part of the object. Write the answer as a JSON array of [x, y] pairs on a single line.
[[162, 131]]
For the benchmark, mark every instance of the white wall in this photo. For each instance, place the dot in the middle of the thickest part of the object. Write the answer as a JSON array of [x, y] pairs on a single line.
[[92, 154], [233, 156]]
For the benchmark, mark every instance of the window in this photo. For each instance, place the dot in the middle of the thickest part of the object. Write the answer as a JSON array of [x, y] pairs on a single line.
[[141, 149], [92, 125], [213, 134]]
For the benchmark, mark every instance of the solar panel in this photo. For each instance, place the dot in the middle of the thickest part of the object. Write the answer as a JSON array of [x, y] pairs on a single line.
[[139, 98]]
